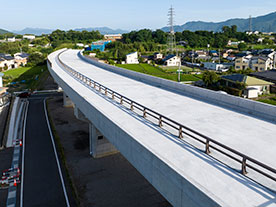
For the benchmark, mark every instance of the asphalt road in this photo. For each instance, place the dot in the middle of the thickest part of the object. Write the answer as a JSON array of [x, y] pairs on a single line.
[[42, 183]]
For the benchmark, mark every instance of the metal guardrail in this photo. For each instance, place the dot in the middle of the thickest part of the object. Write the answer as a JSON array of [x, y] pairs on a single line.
[[181, 129]]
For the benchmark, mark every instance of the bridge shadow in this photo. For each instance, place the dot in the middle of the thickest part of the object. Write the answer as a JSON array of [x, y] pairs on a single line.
[[265, 192]]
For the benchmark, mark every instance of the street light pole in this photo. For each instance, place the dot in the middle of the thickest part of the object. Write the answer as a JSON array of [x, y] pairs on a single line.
[[179, 70]]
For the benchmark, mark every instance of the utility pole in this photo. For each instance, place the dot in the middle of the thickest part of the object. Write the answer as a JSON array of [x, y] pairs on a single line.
[[219, 56], [193, 56], [250, 23]]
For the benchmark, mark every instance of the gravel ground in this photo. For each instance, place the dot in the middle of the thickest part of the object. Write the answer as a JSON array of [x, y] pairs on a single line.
[[109, 181]]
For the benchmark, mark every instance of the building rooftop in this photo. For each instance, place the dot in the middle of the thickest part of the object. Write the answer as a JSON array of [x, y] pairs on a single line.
[[248, 80], [269, 75], [168, 57]]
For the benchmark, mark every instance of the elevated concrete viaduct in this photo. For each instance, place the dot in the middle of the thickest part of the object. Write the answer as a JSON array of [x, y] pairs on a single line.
[[140, 116]]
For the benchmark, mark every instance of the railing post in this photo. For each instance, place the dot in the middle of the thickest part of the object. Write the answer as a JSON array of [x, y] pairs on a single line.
[[144, 113], [131, 106], [160, 121], [207, 147], [105, 92], [121, 100], [244, 166], [100, 88], [90, 83], [113, 95], [180, 135], [94, 85]]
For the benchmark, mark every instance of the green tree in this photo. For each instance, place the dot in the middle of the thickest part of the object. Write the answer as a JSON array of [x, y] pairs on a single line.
[[210, 78], [242, 46]]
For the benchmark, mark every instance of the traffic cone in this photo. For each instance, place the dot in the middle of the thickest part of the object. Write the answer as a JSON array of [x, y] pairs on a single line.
[[14, 182], [20, 144]]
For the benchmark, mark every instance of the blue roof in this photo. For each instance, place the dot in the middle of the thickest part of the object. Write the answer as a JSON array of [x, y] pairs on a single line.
[[24, 55]]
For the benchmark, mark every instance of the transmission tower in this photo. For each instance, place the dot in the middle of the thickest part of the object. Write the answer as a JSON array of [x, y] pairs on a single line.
[[171, 35], [250, 24]]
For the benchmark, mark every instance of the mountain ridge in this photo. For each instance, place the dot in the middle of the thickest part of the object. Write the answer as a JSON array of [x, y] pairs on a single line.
[[40, 31], [264, 23], [3, 31]]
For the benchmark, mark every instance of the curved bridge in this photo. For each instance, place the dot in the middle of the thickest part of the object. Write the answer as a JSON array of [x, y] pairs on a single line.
[[196, 147]]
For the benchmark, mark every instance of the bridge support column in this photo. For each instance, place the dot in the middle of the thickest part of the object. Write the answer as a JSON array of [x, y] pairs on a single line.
[[99, 145], [79, 115], [67, 101]]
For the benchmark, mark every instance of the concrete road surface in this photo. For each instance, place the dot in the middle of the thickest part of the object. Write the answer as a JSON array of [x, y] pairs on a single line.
[[42, 184]]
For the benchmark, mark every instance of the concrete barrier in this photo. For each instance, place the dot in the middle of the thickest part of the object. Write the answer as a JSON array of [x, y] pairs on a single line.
[[257, 109]]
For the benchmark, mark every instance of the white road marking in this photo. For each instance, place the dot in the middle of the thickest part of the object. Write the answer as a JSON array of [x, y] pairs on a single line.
[[59, 169], [23, 156]]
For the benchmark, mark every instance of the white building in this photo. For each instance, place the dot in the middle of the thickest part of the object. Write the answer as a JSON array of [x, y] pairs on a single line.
[[172, 60], [80, 44], [214, 66], [7, 62], [132, 58], [29, 37], [1, 80], [158, 56], [11, 39]]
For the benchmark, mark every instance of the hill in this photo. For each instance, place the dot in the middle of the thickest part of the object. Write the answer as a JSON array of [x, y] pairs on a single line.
[[40, 31], [266, 23], [35, 31], [103, 30], [2, 31]]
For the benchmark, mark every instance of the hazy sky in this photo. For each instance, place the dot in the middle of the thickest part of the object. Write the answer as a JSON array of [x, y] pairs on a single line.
[[123, 14]]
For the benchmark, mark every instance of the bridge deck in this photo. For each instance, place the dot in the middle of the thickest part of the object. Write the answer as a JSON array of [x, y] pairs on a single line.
[[244, 133]]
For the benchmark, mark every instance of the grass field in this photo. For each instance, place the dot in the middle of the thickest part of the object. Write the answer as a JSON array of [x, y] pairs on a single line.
[[271, 100], [169, 73], [24, 77]]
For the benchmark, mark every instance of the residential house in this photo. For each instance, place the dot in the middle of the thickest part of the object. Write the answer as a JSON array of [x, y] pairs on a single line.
[[200, 54], [216, 66], [253, 86], [172, 60], [132, 58], [242, 61], [7, 62], [214, 53], [146, 58], [11, 39], [21, 58], [261, 63], [269, 75], [29, 37], [158, 56]]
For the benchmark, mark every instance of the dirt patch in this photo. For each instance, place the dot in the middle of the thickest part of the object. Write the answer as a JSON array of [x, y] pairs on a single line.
[[108, 181]]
